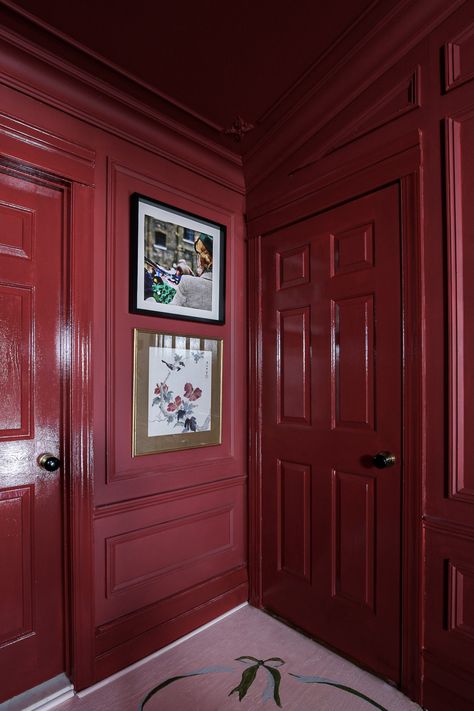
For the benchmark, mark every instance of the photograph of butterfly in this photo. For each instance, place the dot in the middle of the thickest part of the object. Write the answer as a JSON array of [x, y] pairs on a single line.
[[177, 392]]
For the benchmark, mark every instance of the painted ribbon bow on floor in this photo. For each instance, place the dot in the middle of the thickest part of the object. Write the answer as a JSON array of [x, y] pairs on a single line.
[[248, 677], [271, 666]]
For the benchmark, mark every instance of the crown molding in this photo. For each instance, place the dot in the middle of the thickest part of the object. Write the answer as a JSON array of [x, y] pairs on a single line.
[[362, 55], [42, 63]]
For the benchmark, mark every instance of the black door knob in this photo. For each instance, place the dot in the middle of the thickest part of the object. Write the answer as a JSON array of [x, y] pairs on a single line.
[[382, 460], [49, 462]]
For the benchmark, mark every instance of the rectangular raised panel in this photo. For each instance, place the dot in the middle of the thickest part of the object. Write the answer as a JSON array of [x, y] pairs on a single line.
[[353, 538], [352, 250], [293, 366], [459, 59], [352, 363], [294, 518], [459, 136], [144, 556], [16, 579], [461, 599], [16, 359], [16, 230], [293, 267]]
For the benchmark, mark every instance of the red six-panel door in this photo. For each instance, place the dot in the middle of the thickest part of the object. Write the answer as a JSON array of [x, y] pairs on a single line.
[[31, 542], [331, 401]]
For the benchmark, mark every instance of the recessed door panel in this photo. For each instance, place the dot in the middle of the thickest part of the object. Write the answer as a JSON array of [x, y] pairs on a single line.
[[353, 534], [294, 384], [17, 401], [294, 519]]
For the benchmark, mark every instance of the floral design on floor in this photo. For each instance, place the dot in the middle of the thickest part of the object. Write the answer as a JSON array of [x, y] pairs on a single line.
[[272, 667]]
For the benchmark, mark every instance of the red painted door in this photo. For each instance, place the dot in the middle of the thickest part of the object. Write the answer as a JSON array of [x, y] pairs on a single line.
[[31, 540], [332, 400]]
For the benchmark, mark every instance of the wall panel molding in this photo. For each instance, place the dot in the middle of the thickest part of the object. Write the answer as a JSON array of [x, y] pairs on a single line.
[[457, 132], [132, 505], [151, 551], [459, 59], [128, 566], [461, 599], [370, 111], [325, 94], [137, 476]]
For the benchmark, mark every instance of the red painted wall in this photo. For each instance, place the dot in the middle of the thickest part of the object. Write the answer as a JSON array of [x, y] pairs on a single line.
[[377, 118], [171, 526], [410, 103]]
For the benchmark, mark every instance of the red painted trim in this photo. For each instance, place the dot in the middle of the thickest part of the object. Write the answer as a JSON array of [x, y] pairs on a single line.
[[456, 306], [117, 658], [320, 186], [80, 437], [59, 85], [23, 141], [55, 49], [77, 416], [323, 94], [131, 626], [404, 169], [414, 435], [255, 396]]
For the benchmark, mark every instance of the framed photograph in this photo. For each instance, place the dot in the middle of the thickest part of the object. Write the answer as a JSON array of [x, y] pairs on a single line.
[[177, 383], [177, 263]]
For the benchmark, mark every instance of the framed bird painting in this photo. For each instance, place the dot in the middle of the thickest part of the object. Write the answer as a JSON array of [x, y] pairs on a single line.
[[176, 392]]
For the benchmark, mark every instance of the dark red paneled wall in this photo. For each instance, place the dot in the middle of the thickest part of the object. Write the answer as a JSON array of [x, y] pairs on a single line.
[[168, 530], [403, 117], [160, 541]]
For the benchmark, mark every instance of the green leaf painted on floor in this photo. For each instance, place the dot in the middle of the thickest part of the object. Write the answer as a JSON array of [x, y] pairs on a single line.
[[248, 677]]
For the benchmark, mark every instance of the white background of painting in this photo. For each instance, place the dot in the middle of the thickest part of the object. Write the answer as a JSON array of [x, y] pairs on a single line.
[[166, 215], [198, 374]]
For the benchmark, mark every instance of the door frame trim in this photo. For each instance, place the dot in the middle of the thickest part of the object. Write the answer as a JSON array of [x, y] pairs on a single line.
[[403, 168], [76, 421]]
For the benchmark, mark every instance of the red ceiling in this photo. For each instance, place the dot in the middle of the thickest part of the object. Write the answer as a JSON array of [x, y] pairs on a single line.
[[218, 59]]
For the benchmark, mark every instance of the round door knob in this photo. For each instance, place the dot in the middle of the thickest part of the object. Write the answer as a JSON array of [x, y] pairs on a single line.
[[382, 460], [49, 462]]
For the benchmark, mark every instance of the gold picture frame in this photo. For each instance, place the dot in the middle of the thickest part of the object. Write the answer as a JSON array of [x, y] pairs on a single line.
[[177, 392]]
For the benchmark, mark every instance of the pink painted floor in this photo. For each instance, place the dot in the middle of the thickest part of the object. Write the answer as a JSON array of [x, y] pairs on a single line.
[[213, 652]]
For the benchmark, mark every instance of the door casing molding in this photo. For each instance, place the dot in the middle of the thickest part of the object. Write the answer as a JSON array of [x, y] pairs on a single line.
[[45, 164], [401, 167]]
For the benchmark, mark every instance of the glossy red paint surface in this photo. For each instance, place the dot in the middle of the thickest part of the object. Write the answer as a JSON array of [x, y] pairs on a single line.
[[390, 105], [32, 647], [194, 502], [331, 519]]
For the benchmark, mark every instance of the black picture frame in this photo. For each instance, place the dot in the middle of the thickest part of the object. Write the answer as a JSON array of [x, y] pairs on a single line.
[[177, 263]]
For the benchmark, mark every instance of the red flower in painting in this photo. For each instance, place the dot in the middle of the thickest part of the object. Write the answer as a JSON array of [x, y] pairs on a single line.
[[174, 405], [157, 389], [190, 393]]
